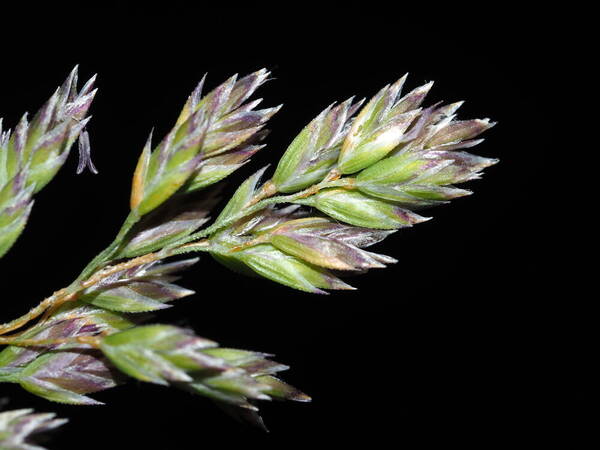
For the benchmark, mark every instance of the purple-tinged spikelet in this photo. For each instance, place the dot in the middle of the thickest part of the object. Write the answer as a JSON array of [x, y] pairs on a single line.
[[213, 136], [18, 426], [36, 150]]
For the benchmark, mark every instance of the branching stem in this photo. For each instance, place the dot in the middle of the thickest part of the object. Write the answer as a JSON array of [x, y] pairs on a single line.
[[332, 180], [91, 276], [18, 342], [66, 295], [34, 313]]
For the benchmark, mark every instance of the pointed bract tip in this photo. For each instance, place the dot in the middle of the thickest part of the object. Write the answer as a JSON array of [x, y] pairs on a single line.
[[427, 86], [68, 83], [84, 122], [301, 397], [232, 79], [318, 291], [149, 139], [451, 108], [93, 93], [262, 74], [340, 285], [89, 83], [398, 84]]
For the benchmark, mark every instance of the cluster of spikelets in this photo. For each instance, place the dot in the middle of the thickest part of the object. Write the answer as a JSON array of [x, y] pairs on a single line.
[[374, 171], [19, 426], [349, 179], [32, 154], [214, 135]]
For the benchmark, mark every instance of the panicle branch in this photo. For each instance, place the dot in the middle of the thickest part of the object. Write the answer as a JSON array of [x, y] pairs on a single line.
[[353, 176], [32, 155]]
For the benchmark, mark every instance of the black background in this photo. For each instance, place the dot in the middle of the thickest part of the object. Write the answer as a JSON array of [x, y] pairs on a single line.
[[459, 343]]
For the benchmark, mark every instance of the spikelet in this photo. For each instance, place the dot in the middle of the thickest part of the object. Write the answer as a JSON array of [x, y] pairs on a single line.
[[214, 135], [32, 155], [17, 426]]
